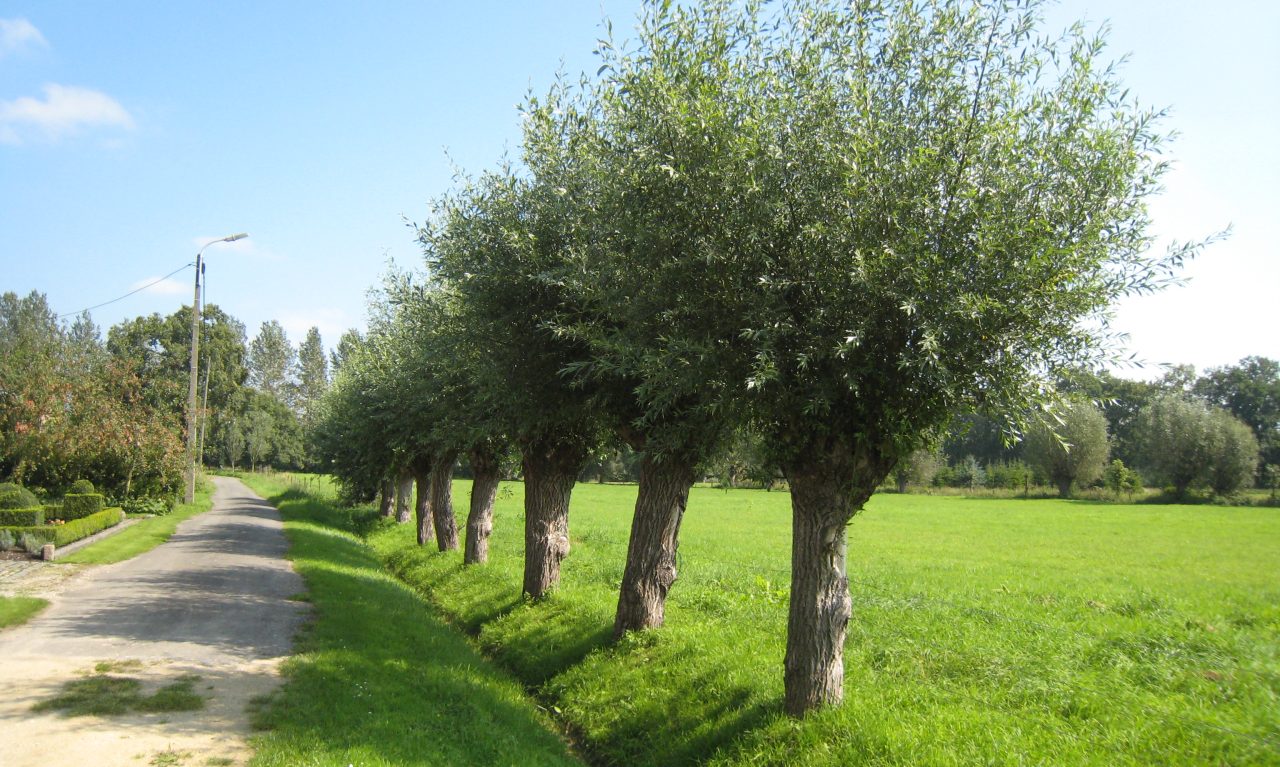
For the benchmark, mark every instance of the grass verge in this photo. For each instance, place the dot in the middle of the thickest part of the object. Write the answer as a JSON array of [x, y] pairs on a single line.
[[15, 611], [378, 679], [144, 535]]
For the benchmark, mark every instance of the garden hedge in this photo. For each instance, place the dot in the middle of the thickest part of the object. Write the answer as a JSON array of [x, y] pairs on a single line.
[[14, 497], [32, 517], [61, 535], [80, 505]]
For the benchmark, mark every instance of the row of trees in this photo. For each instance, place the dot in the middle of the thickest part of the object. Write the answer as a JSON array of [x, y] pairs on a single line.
[[833, 225], [73, 405]]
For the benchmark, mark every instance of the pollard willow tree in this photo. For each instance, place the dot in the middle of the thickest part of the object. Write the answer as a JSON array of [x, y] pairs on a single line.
[[656, 147], [349, 433], [499, 246], [1073, 449], [944, 205], [452, 410]]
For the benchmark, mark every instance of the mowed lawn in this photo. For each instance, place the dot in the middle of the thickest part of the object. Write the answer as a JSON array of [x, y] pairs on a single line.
[[984, 632]]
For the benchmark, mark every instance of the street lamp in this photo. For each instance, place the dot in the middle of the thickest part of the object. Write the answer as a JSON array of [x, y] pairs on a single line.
[[190, 494]]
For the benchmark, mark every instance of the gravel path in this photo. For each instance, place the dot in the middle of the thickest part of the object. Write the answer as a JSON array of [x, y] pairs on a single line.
[[212, 601]]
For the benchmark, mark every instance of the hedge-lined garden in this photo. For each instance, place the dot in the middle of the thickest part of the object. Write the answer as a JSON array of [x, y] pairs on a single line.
[[26, 523]]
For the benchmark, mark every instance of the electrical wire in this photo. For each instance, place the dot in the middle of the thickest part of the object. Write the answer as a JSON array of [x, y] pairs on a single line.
[[126, 295]]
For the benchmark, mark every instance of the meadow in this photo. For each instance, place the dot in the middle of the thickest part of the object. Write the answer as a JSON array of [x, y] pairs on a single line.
[[985, 631]]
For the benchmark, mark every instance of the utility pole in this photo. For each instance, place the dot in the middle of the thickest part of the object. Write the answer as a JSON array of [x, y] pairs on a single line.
[[190, 494]]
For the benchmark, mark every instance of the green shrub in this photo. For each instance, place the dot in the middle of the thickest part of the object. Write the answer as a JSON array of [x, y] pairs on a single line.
[[61, 535], [83, 528], [17, 497], [157, 506], [6, 540], [33, 517], [80, 505], [82, 486]]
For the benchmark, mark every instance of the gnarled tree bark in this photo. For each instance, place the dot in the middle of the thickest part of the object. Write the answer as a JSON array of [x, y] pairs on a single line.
[[484, 489], [421, 468], [651, 551], [442, 501], [551, 468], [387, 497], [404, 496], [828, 485]]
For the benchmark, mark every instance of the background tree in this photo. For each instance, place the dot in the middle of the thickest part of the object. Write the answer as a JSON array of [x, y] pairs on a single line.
[[1177, 437], [1233, 453], [919, 468], [348, 342], [1249, 390], [68, 409], [312, 374], [1073, 451], [271, 362], [1119, 478]]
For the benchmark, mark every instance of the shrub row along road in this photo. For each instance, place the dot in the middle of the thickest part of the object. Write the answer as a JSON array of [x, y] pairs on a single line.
[[213, 601]]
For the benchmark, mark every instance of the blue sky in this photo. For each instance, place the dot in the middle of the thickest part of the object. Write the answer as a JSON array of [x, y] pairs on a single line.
[[131, 133]]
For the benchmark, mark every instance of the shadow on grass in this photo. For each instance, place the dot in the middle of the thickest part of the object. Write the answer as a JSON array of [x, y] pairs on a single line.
[[380, 680]]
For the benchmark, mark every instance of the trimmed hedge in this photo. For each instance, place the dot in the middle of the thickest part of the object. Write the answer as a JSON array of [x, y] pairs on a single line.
[[31, 517], [61, 535], [80, 505], [14, 497], [82, 486]]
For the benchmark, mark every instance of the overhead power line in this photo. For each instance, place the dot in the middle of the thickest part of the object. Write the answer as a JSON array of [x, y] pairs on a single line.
[[126, 295]]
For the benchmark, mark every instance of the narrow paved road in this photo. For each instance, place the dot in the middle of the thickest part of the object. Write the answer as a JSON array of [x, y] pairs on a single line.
[[213, 601]]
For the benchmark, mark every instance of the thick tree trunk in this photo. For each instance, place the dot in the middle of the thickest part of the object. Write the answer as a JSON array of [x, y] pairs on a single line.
[[484, 489], [422, 509], [387, 498], [651, 552], [550, 470], [827, 487], [442, 501], [1064, 488], [404, 496]]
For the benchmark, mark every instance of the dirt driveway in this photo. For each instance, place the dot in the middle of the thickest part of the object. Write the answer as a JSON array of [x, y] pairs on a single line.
[[213, 601]]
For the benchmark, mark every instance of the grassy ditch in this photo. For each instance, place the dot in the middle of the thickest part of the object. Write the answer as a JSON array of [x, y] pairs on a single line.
[[984, 631], [143, 535], [378, 678], [15, 611]]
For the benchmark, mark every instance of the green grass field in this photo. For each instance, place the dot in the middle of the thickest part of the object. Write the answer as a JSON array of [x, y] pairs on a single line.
[[984, 632]]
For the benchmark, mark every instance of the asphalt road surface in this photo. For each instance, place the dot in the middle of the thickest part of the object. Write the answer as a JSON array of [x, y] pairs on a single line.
[[212, 601]]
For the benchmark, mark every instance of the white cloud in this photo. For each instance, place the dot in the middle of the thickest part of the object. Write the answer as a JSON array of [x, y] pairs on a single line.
[[163, 287], [16, 34], [64, 110]]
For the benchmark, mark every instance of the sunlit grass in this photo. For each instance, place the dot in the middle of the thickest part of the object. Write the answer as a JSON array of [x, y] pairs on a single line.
[[378, 678], [984, 631], [15, 611], [144, 535]]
